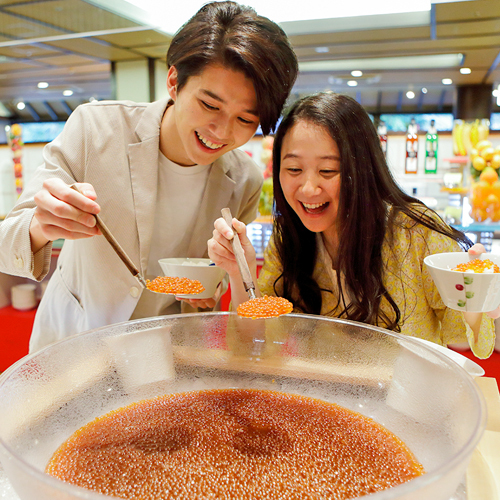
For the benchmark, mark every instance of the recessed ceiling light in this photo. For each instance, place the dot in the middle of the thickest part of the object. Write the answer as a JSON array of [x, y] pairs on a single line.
[[410, 94], [322, 50], [446, 81], [356, 72], [21, 105], [67, 93], [424, 90], [42, 85], [433, 61], [465, 71], [352, 83], [495, 93]]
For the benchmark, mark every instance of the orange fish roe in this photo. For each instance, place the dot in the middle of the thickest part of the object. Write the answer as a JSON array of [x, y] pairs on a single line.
[[478, 266], [264, 307], [239, 444], [176, 286]]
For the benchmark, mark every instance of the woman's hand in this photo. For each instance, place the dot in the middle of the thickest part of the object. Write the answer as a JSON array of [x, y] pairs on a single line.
[[61, 212], [477, 250], [220, 248]]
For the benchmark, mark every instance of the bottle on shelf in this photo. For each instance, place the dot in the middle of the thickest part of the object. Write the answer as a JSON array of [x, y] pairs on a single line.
[[411, 148], [431, 149], [382, 135]]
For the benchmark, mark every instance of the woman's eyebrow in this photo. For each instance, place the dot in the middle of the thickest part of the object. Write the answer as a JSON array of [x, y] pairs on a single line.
[[211, 94], [326, 157]]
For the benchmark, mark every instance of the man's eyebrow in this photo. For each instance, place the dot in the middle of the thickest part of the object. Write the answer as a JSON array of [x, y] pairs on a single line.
[[222, 101]]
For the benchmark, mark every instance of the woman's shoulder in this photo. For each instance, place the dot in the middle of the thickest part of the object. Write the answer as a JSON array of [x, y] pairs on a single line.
[[406, 230]]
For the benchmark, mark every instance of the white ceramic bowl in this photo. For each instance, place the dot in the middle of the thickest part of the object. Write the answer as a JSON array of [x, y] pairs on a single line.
[[464, 291], [195, 269]]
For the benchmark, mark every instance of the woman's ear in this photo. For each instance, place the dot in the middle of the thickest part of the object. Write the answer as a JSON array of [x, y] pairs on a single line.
[[172, 82]]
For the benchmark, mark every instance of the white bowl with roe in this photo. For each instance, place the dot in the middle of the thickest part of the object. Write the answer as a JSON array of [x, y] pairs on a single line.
[[465, 283]]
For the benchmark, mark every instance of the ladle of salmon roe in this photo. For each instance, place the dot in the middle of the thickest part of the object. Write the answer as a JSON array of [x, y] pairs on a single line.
[[175, 286], [264, 307], [478, 266]]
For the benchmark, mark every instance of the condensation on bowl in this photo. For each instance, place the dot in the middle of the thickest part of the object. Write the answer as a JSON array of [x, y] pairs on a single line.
[[415, 391]]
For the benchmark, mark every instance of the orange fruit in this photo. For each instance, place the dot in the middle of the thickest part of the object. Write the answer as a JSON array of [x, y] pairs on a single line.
[[495, 216], [478, 214], [492, 203], [495, 188], [480, 191], [487, 153], [482, 144], [478, 162], [495, 161], [489, 175]]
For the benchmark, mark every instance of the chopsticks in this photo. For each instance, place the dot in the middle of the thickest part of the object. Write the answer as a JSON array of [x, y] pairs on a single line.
[[246, 276], [116, 246]]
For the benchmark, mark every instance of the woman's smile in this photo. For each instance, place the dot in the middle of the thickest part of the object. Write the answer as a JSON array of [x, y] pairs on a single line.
[[315, 208]]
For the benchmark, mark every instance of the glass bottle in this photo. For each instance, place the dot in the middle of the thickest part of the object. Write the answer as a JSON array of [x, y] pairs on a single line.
[[411, 148], [431, 149]]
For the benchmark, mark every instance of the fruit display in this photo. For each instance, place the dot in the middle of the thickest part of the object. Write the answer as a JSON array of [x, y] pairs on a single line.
[[485, 187], [266, 197], [466, 135], [15, 141]]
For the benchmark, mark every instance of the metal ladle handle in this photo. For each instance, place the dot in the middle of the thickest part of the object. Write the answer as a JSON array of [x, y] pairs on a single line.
[[116, 246], [246, 275]]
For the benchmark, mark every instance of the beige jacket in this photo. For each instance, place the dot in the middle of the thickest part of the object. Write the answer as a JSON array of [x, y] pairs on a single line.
[[113, 146]]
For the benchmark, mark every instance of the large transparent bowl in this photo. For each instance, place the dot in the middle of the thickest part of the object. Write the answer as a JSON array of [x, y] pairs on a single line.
[[422, 396]]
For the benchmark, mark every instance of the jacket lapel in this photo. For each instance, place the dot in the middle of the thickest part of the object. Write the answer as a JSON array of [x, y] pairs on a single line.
[[217, 194], [143, 158]]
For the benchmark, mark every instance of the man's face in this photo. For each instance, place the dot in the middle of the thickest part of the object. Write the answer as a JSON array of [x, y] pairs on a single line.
[[215, 112]]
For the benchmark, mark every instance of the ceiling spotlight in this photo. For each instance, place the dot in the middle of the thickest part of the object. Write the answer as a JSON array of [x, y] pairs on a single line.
[[410, 94], [21, 105], [352, 83], [42, 85], [446, 81], [67, 93], [356, 73], [322, 50], [424, 90], [465, 71]]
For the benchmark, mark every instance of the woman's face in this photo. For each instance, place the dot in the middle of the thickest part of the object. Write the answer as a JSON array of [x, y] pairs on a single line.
[[310, 176], [214, 112]]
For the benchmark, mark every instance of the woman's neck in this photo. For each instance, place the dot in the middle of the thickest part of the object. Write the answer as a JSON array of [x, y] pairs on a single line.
[[331, 242]]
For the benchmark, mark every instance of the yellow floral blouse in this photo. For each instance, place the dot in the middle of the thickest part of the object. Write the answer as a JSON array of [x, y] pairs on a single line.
[[409, 283]]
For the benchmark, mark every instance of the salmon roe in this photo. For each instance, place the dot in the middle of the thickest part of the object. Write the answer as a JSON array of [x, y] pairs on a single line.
[[478, 266], [239, 444], [264, 307], [176, 286]]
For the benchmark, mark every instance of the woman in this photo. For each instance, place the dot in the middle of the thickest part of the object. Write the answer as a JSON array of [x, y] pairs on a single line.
[[161, 173], [347, 241]]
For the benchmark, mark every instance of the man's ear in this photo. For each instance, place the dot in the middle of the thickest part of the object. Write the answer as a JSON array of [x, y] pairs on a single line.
[[172, 82]]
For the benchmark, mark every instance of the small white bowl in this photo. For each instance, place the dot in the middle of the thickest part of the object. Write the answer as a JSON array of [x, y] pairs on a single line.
[[465, 291], [195, 269]]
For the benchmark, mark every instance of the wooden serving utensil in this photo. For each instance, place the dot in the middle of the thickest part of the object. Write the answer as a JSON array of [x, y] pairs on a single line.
[[246, 276], [116, 246]]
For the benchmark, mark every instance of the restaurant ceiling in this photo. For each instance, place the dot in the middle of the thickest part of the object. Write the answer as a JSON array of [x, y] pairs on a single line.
[[71, 45]]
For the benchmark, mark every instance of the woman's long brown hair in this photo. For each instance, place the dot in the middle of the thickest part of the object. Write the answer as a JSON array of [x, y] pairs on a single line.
[[370, 202]]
